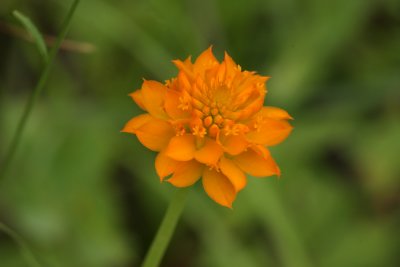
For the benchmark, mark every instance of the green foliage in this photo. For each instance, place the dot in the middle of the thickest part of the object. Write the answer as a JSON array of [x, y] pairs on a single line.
[[83, 194], [25, 250]]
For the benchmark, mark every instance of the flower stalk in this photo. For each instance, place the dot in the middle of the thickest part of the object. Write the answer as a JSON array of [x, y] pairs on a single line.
[[162, 239]]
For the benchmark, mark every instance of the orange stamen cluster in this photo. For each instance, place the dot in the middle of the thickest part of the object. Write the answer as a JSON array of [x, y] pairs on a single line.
[[214, 104]]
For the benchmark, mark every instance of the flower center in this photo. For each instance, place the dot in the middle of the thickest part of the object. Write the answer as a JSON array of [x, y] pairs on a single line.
[[219, 107], [210, 119]]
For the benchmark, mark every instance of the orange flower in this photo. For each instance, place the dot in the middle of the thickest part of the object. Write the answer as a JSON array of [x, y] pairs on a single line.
[[209, 122]]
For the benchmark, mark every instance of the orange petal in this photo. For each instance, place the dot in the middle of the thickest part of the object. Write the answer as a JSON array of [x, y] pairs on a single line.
[[185, 66], [153, 95], [155, 134], [136, 122], [233, 173], [219, 188], [257, 164], [231, 67], [264, 152], [209, 153], [164, 165], [205, 61], [274, 113], [233, 144], [186, 173], [171, 105], [221, 73], [138, 98], [183, 81], [181, 148], [270, 132]]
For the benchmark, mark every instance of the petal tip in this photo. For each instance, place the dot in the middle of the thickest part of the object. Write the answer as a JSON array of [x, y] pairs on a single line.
[[278, 172], [229, 206], [171, 181], [127, 129]]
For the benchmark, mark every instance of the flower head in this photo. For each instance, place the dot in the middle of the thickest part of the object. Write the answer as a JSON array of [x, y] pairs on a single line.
[[210, 123]]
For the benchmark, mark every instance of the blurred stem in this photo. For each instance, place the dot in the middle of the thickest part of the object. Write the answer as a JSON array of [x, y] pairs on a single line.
[[271, 210], [25, 251], [160, 243], [37, 91]]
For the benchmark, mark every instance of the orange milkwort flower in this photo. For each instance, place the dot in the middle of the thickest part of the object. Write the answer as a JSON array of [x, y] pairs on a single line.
[[209, 122]]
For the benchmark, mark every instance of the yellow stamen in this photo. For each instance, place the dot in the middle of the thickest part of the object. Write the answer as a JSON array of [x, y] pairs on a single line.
[[199, 131]]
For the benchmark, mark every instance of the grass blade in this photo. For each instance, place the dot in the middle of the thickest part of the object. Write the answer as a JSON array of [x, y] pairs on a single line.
[[34, 32], [37, 90]]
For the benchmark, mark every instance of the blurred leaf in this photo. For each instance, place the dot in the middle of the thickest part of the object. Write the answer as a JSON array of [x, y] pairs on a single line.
[[25, 250], [62, 200], [360, 245], [376, 152], [34, 32]]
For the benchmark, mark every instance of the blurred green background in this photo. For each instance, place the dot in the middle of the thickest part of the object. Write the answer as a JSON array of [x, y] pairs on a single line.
[[83, 194]]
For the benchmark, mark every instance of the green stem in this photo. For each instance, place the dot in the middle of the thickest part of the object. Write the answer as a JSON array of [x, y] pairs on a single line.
[[25, 251], [167, 227], [37, 91]]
